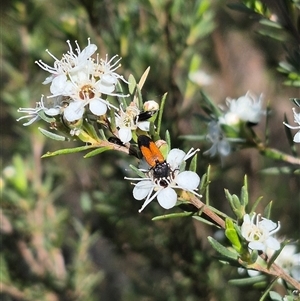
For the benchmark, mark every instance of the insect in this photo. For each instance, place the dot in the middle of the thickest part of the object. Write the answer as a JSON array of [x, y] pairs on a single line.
[[116, 140], [160, 169], [143, 116]]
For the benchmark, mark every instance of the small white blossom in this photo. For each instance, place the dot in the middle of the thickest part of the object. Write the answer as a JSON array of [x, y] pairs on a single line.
[[220, 144], [289, 260], [128, 121], [33, 113], [83, 90], [258, 232], [106, 70], [297, 120], [150, 105], [246, 108], [163, 189]]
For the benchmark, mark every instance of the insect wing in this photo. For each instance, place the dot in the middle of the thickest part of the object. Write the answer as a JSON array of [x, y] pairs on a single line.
[[150, 151]]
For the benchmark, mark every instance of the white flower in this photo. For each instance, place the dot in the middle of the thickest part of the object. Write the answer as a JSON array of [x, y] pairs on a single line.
[[71, 62], [163, 189], [105, 70], [258, 232], [34, 113], [289, 260], [150, 106], [297, 120], [246, 108], [128, 121], [220, 144], [83, 90], [201, 78]]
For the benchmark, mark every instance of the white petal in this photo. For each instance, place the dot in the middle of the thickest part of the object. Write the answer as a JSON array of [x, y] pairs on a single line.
[[167, 198], [97, 107], [58, 84], [144, 126], [52, 111], [272, 243], [175, 157], [253, 273], [125, 135], [297, 137], [87, 52], [142, 189], [188, 180], [224, 147], [295, 270], [256, 245], [74, 111], [106, 84], [267, 224], [48, 80], [247, 219]]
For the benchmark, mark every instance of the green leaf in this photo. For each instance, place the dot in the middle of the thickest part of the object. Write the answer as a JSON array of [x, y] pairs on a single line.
[[296, 101], [137, 171], [90, 129], [268, 289], [205, 221], [221, 249], [232, 235], [241, 7], [20, 179], [247, 281], [132, 84], [172, 215], [66, 151], [97, 151], [160, 112], [293, 83], [121, 98], [228, 195], [253, 256], [213, 108], [284, 170], [244, 193], [270, 23], [52, 135], [193, 164], [193, 137], [255, 204], [46, 118], [85, 202], [267, 211], [168, 140]]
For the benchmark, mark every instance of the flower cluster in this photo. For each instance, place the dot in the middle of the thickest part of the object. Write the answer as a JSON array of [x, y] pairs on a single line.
[[246, 109], [258, 232], [164, 189], [79, 85]]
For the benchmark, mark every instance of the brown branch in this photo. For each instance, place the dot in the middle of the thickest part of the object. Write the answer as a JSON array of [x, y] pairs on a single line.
[[205, 209]]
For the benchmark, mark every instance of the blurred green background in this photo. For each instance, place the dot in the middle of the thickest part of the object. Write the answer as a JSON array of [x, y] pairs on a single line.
[[70, 228]]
